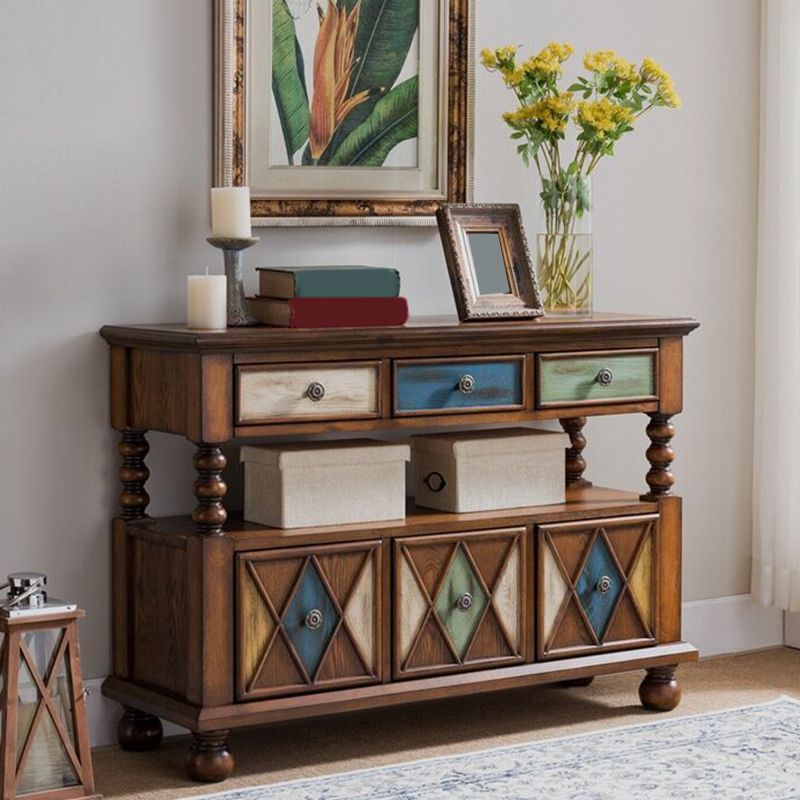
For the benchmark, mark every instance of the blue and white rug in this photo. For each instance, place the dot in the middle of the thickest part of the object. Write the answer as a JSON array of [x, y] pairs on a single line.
[[748, 753]]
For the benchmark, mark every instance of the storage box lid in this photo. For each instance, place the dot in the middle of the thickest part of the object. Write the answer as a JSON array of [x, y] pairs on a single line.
[[473, 443], [315, 454]]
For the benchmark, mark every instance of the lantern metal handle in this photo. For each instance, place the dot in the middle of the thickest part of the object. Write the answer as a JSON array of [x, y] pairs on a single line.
[[37, 585]]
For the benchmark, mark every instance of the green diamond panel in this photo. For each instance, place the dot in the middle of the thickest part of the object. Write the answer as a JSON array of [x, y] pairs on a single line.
[[459, 621]]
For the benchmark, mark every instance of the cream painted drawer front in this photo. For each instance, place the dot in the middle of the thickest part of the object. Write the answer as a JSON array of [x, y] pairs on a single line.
[[341, 391]]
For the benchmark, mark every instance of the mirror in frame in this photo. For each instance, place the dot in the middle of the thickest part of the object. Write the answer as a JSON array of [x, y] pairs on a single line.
[[489, 262]]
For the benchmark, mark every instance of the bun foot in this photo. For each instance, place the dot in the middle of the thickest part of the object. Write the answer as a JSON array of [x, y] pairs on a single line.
[[660, 691], [576, 683], [138, 731], [209, 760]]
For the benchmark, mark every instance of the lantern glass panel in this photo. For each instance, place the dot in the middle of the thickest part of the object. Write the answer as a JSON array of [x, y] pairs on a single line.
[[42, 758]]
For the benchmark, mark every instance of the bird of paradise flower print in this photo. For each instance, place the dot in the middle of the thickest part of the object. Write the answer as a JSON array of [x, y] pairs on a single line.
[[363, 101]]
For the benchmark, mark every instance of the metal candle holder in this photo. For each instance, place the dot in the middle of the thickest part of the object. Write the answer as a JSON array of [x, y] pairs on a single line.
[[232, 251]]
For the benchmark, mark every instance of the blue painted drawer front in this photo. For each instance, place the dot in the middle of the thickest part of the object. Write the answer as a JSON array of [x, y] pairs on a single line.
[[435, 386]]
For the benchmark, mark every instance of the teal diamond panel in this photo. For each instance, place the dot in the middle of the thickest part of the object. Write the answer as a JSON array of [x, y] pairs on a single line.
[[310, 643], [459, 620], [597, 604]]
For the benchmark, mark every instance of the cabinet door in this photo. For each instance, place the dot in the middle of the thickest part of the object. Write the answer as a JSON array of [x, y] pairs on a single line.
[[596, 587], [308, 619], [459, 601]]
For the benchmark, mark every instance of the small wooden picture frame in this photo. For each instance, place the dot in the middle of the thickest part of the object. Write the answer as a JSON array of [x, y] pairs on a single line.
[[489, 262]]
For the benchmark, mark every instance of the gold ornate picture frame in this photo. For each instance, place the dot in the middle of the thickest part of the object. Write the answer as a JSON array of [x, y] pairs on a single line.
[[298, 119], [490, 266]]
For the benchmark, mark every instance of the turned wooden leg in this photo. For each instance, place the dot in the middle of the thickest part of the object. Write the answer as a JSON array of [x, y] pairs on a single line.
[[576, 683], [660, 455], [209, 760], [660, 691], [209, 489], [576, 463], [133, 474], [138, 731]]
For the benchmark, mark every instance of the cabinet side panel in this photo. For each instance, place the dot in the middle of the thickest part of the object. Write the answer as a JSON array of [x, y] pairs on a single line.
[[157, 614], [670, 375], [669, 570], [158, 390]]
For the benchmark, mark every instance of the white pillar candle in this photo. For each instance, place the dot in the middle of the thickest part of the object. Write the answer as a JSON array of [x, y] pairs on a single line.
[[206, 302], [230, 213]]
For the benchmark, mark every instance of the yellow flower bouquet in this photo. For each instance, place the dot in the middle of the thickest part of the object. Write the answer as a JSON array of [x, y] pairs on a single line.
[[613, 95]]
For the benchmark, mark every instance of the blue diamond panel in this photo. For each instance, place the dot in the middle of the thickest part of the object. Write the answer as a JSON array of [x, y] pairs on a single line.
[[597, 604], [309, 643]]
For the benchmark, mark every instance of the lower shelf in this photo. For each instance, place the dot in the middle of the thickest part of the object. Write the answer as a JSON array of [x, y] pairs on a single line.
[[324, 703]]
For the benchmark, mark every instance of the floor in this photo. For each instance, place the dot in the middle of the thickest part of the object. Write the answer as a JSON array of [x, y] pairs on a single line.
[[370, 739]]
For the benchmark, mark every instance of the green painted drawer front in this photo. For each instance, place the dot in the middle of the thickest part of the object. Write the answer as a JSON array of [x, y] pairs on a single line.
[[596, 377]]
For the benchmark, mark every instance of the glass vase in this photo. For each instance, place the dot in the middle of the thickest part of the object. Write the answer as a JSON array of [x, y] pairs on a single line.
[[564, 246]]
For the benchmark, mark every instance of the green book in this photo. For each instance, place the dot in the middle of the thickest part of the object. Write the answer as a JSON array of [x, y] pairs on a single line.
[[286, 283]]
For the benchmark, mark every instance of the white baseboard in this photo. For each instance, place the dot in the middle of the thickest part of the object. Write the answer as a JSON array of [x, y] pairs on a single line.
[[791, 636], [731, 625], [717, 626]]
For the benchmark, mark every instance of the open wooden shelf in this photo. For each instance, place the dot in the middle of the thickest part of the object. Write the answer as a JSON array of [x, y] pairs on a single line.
[[582, 503]]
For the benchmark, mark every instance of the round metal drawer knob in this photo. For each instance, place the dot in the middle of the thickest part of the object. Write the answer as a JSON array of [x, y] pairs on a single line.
[[314, 619], [466, 601], [605, 376], [604, 584], [315, 391], [466, 384]]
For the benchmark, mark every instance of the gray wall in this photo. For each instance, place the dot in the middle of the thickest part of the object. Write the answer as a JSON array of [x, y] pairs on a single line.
[[105, 130]]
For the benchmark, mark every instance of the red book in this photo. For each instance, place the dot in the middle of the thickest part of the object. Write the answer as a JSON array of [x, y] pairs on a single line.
[[330, 312]]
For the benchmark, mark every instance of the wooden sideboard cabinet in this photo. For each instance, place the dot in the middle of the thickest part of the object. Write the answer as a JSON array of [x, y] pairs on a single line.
[[220, 624]]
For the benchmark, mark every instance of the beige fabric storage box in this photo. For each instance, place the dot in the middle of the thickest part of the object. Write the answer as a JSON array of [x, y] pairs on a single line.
[[488, 470], [324, 483]]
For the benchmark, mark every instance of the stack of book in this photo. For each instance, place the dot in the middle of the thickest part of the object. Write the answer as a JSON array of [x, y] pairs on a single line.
[[329, 297]]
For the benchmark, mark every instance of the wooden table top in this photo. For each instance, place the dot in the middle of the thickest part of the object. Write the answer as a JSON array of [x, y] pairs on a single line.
[[419, 330]]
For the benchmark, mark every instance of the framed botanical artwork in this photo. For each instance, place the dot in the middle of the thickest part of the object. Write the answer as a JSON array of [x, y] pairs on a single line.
[[345, 111], [489, 262]]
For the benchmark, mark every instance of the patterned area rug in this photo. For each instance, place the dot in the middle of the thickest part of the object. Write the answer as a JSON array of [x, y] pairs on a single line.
[[745, 753]]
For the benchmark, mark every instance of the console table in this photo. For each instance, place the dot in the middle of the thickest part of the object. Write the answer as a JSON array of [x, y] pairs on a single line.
[[220, 624]]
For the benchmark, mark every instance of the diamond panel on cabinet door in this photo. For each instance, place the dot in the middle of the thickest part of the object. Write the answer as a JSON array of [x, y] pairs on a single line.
[[599, 605], [507, 596], [413, 607], [555, 589], [360, 613], [431, 649], [257, 627], [311, 595], [641, 582], [279, 669], [459, 620], [341, 660]]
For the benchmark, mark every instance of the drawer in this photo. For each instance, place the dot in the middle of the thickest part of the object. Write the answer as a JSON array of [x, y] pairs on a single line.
[[308, 619], [325, 391], [442, 386], [570, 379], [596, 586], [459, 602]]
